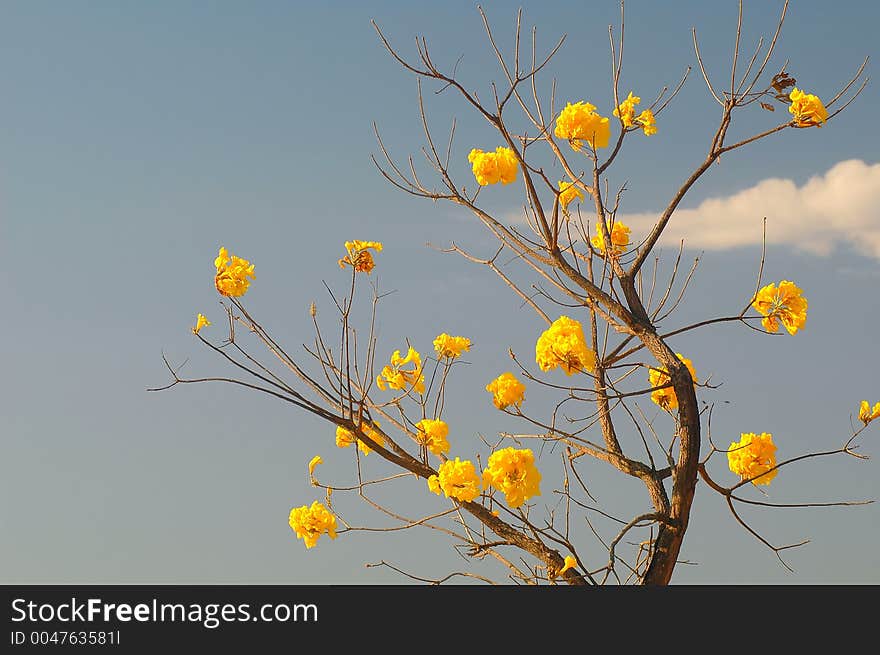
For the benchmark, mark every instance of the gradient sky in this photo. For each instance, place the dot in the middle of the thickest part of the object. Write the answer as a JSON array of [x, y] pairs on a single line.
[[136, 138]]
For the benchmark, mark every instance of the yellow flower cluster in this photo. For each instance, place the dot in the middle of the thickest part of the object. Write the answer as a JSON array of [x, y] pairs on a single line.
[[494, 167], [451, 347], [201, 322], [807, 109], [619, 233], [512, 471], [567, 193], [394, 377], [579, 122], [232, 274], [783, 303], [563, 345], [867, 414], [509, 470], [457, 479], [506, 390], [626, 111], [569, 563], [648, 122], [752, 457], [433, 434], [309, 523], [659, 376], [359, 256], [345, 437]]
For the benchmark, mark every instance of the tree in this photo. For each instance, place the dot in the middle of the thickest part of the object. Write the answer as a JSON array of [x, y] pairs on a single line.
[[603, 312]]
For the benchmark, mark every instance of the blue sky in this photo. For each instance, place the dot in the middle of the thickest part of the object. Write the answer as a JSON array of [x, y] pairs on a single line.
[[136, 138]]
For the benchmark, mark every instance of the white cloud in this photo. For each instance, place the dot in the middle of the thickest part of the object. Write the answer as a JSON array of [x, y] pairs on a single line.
[[841, 207]]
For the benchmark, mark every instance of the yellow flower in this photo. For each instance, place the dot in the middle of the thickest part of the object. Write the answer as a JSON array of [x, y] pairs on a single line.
[[345, 437], [457, 479], [513, 472], [784, 303], [657, 377], [507, 164], [373, 434], [568, 192], [647, 121], [201, 322], [619, 232], [452, 347], [570, 563], [506, 390], [867, 414], [579, 122], [484, 166], [626, 110], [807, 109], [493, 167], [359, 256], [232, 274], [433, 434], [309, 523], [752, 457], [394, 377], [313, 463], [563, 344]]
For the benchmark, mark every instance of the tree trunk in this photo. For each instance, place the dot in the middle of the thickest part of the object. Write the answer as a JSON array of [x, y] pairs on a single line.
[[667, 545]]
